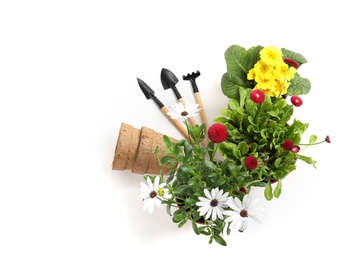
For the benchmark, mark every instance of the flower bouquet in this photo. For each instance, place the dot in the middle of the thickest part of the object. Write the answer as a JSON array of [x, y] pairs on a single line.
[[254, 142]]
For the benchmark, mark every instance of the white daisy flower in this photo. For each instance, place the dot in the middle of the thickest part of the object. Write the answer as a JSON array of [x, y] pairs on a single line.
[[214, 203], [152, 193], [242, 212], [180, 111]]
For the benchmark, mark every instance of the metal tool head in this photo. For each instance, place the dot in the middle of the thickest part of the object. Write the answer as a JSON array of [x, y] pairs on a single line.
[[168, 79], [148, 92], [191, 77]]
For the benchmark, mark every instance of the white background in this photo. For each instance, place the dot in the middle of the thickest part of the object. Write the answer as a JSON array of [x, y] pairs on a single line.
[[68, 74]]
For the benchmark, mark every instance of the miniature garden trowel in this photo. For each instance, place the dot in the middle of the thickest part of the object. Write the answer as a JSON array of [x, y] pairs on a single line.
[[149, 94], [169, 80]]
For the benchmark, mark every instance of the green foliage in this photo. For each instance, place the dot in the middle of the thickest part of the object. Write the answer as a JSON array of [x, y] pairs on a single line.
[[195, 168], [260, 130]]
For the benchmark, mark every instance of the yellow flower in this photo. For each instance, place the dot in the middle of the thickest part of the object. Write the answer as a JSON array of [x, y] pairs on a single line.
[[271, 55], [284, 71], [261, 68], [251, 74], [291, 73], [271, 73], [279, 88]]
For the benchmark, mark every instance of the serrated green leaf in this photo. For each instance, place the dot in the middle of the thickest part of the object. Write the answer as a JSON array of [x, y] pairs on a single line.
[[299, 86], [230, 83], [237, 59], [294, 56]]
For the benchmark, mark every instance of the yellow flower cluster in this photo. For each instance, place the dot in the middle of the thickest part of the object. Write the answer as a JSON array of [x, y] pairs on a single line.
[[271, 73]]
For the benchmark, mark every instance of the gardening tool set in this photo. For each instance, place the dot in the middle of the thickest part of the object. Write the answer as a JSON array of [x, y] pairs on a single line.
[[169, 81]]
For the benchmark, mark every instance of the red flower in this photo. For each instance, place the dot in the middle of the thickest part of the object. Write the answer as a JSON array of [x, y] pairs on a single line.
[[297, 101], [257, 96], [295, 149], [217, 133], [243, 190], [251, 162], [291, 62], [288, 145], [327, 139]]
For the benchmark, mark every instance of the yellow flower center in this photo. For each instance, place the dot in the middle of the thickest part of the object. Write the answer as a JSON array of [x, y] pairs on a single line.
[[160, 192]]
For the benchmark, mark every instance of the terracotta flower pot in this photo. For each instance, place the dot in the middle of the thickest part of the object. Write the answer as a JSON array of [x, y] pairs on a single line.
[[135, 150]]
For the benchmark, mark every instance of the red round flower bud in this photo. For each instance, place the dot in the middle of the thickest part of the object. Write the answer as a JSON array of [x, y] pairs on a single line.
[[251, 162], [243, 190], [288, 145], [327, 139], [295, 149], [217, 133], [296, 101], [257, 96], [291, 62]]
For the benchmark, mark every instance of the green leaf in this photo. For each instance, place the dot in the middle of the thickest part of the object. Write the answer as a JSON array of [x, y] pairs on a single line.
[[237, 59], [280, 104], [166, 158], [259, 184], [209, 164], [268, 192], [306, 159], [299, 86], [195, 228], [294, 56], [178, 218], [273, 113], [229, 149], [168, 209], [233, 104], [230, 83], [220, 240], [313, 139], [254, 55], [277, 162], [243, 146], [181, 189], [278, 189], [243, 95]]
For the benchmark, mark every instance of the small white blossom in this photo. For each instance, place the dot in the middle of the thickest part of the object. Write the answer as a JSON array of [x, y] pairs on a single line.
[[152, 193], [213, 204], [242, 212], [180, 111]]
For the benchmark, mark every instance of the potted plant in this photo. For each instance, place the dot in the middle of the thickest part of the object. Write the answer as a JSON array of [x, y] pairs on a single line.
[[254, 142]]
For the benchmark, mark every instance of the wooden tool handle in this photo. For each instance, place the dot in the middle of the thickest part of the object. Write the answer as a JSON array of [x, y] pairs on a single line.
[[175, 122], [202, 111], [192, 122]]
